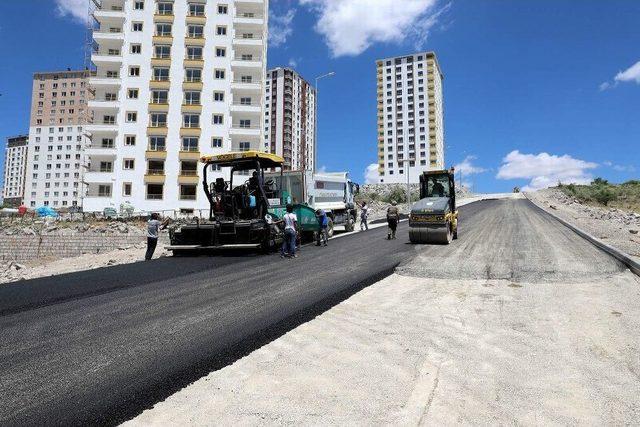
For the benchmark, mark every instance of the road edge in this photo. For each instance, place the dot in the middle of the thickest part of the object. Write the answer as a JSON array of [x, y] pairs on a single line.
[[621, 256]]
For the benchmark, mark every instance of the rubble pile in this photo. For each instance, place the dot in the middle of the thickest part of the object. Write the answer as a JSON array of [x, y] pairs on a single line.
[[71, 228]]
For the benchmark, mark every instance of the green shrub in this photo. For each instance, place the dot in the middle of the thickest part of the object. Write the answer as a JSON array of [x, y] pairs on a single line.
[[604, 196]]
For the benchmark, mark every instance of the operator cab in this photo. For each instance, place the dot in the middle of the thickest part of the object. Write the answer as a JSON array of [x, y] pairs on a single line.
[[438, 184]]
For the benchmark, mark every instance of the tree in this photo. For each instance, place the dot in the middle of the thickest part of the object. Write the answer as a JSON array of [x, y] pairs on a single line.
[[599, 181]]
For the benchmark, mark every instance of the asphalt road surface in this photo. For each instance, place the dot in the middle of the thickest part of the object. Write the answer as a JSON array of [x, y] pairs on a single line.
[[100, 346]]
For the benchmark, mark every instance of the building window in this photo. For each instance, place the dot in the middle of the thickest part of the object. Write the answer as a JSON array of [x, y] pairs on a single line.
[[104, 190], [244, 146], [245, 123], [126, 189], [106, 167], [190, 144], [162, 51], [136, 48], [130, 140], [191, 120], [128, 164], [193, 75], [132, 116], [188, 192], [219, 74], [218, 119], [157, 143], [216, 142], [132, 93], [192, 98], [195, 31], [154, 191], [221, 52], [138, 5], [159, 120], [218, 96], [137, 26], [163, 30], [165, 8], [196, 9], [159, 97], [194, 52], [160, 74], [222, 9], [134, 71], [221, 30]]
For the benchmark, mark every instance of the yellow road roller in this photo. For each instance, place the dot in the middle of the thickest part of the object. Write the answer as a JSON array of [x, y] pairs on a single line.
[[434, 218]]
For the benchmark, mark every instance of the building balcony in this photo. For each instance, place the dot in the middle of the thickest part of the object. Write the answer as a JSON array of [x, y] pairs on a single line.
[[99, 150], [244, 85], [155, 154], [195, 131], [158, 107], [102, 104], [162, 39], [248, 18], [160, 62], [159, 84], [158, 130], [186, 177], [192, 85], [92, 176], [154, 176], [189, 155], [239, 62], [247, 41], [163, 18], [101, 127], [112, 14], [245, 108], [191, 108], [104, 81], [196, 19], [194, 41], [111, 35], [236, 129], [193, 63]]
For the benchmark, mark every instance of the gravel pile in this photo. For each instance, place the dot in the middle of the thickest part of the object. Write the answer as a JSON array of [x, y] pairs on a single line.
[[614, 226]]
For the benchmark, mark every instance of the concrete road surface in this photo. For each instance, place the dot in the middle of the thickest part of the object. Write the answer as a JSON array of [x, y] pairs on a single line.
[[101, 346]]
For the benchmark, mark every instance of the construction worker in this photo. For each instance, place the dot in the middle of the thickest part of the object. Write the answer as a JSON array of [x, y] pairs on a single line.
[[364, 216], [393, 216], [153, 227], [323, 222], [290, 221]]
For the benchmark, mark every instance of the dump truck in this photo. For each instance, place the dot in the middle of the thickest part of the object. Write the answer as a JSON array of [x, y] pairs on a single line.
[[333, 192], [244, 211], [434, 218]]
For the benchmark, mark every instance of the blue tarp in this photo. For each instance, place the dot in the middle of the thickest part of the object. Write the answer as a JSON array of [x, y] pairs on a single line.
[[44, 211]]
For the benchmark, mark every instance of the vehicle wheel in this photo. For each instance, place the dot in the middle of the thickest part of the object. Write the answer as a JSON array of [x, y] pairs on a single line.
[[449, 234], [350, 224], [455, 234], [330, 228]]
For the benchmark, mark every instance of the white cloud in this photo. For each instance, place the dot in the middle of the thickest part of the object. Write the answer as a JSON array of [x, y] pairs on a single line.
[[293, 63], [466, 167], [631, 74], [545, 170], [280, 27], [351, 26], [619, 168], [371, 175], [78, 10], [322, 169]]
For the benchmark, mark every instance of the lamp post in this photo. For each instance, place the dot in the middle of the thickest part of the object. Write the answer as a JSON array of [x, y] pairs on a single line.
[[315, 134], [407, 167]]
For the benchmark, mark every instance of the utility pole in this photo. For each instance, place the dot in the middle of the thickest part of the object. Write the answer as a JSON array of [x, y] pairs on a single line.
[[315, 142]]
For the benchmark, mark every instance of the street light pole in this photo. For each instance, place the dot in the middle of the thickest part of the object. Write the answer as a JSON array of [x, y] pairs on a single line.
[[407, 168], [315, 134]]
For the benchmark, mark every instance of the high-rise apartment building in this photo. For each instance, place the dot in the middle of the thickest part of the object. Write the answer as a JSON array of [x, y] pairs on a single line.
[[15, 169], [290, 118], [59, 114], [410, 117], [175, 80]]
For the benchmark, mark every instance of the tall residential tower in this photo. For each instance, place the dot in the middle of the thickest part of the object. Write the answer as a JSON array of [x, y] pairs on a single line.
[[410, 117], [59, 114], [290, 118], [15, 168], [175, 80]]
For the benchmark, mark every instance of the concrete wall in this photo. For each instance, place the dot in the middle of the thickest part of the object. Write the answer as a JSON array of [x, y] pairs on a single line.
[[26, 248]]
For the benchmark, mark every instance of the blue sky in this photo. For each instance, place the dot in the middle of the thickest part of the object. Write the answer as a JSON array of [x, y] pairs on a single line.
[[534, 91]]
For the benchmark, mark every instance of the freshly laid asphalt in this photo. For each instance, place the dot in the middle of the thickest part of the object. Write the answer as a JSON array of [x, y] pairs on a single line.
[[98, 347]]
